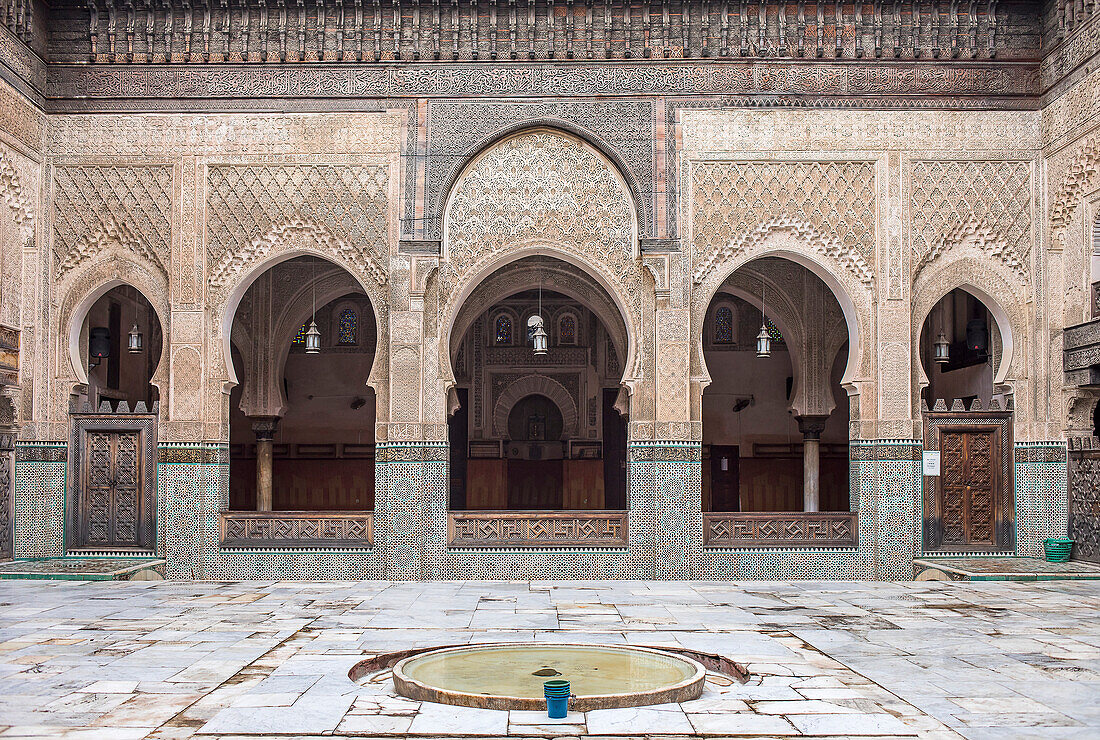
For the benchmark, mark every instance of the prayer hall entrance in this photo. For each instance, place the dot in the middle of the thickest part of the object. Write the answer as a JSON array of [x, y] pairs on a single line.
[[537, 355], [302, 415], [775, 416]]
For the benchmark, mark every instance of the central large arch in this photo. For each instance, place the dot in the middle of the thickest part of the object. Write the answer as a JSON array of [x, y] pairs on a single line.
[[542, 192]]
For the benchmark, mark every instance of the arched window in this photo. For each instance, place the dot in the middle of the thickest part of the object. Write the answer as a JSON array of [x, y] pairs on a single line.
[[567, 329], [348, 328], [502, 329], [300, 337], [723, 325], [773, 331]]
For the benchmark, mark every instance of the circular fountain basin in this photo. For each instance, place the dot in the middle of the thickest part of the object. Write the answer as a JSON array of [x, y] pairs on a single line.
[[510, 676]]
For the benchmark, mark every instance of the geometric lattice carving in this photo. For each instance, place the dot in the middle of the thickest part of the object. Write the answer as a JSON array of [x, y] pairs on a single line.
[[11, 192], [1084, 499], [802, 529], [296, 529], [100, 206], [985, 203], [251, 207], [1076, 181], [546, 188], [830, 205], [511, 529]]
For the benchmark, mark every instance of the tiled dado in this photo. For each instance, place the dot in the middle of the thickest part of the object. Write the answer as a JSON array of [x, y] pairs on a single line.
[[1040, 472], [411, 519], [885, 485], [40, 499], [410, 523], [194, 488]]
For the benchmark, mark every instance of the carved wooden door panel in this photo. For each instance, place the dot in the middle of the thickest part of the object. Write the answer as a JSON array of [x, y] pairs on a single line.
[[1084, 498], [969, 495], [112, 491]]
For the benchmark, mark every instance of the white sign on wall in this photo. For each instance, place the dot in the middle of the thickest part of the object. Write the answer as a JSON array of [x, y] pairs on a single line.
[[931, 462]]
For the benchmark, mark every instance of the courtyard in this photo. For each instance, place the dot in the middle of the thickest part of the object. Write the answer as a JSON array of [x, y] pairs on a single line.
[[173, 660]]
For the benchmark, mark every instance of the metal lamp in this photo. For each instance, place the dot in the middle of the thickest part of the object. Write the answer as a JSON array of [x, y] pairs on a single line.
[[536, 329], [313, 339], [941, 350], [763, 339], [135, 342], [313, 335]]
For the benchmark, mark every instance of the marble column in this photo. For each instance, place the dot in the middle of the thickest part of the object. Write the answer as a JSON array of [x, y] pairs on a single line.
[[264, 427], [811, 427]]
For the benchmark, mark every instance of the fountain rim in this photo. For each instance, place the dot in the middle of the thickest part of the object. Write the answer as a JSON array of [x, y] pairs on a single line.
[[683, 690]]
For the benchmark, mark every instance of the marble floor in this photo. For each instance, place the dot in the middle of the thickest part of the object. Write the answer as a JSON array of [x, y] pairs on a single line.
[[174, 660]]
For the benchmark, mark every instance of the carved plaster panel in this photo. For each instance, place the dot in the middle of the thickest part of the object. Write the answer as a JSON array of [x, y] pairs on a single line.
[[986, 203], [542, 192], [830, 205], [541, 187], [102, 207], [258, 210]]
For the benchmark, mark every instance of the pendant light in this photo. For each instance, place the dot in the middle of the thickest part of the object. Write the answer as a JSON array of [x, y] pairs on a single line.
[[536, 329], [941, 350], [763, 339], [313, 336], [134, 343]]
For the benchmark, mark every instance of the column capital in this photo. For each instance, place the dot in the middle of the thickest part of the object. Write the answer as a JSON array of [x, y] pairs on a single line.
[[811, 425], [264, 427]]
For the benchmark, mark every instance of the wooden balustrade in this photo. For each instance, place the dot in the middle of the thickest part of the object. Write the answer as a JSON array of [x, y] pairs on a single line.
[[781, 529]]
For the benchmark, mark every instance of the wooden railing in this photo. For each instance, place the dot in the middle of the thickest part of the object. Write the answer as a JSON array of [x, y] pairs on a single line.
[[282, 529], [781, 529], [537, 529]]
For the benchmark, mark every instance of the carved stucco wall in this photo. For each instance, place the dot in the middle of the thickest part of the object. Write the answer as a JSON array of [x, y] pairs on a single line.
[[871, 201], [874, 200], [22, 127], [189, 208], [1071, 139], [546, 191]]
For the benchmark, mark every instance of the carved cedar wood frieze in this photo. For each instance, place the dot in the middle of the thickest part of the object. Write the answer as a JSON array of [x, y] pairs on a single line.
[[340, 30], [538, 529]]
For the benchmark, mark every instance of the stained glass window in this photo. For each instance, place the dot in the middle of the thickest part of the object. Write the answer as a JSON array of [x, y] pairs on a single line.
[[503, 330], [567, 330], [723, 325], [773, 331], [300, 337], [349, 327]]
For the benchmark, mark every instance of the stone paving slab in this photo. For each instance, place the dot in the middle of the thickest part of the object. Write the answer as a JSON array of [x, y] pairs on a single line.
[[77, 569], [1009, 568], [217, 661]]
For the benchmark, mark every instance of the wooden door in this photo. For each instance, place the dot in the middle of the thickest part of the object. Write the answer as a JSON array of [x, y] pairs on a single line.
[[111, 512], [970, 501], [725, 480]]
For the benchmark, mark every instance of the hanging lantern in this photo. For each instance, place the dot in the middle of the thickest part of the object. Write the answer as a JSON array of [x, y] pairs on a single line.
[[135, 343], [99, 343], [763, 339], [536, 330], [763, 342], [313, 339], [941, 350]]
